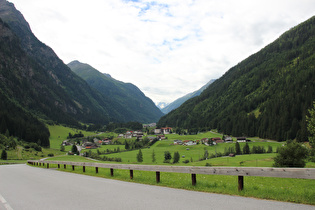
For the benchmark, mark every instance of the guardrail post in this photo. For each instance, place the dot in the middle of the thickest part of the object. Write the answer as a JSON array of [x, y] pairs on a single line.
[[240, 183], [47, 165], [58, 165], [64, 166], [40, 164], [158, 177], [193, 179], [84, 169], [112, 172], [131, 174], [72, 167], [96, 169], [44, 164]]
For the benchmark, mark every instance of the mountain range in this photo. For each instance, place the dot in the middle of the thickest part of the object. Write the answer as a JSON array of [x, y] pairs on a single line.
[[37, 87], [266, 95], [131, 104], [175, 104]]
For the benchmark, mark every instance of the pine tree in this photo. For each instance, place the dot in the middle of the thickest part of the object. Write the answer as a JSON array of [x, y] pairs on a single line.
[[176, 157], [126, 145], [74, 149], [153, 157], [139, 156], [246, 149], [238, 149]]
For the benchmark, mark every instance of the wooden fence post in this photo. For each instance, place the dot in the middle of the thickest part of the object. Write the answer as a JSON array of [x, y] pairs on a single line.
[[47, 165], [58, 165], [193, 179], [131, 174], [112, 172], [64, 166], [158, 177], [240, 183], [96, 169], [72, 167], [83, 169]]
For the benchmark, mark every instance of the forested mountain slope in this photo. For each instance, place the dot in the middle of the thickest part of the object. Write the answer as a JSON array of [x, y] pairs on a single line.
[[17, 74], [126, 97], [67, 98], [175, 104], [266, 95]]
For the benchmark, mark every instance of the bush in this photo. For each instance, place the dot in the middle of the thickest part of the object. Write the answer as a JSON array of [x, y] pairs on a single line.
[[186, 161], [50, 155], [167, 156], [291, 155], [4, 155]]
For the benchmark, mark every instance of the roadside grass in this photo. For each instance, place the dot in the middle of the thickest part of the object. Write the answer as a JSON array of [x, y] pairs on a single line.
[[280, 189]]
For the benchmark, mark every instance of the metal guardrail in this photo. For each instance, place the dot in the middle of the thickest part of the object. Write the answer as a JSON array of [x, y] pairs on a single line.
[[298, 173]]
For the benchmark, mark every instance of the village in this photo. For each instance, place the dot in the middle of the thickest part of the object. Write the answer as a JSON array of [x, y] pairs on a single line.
[[158, 134]]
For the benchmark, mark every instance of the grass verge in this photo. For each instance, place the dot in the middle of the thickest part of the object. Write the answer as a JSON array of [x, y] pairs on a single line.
[[280, 189]]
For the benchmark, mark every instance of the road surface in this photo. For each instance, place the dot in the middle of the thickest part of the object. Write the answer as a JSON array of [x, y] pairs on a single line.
[[25, 187]]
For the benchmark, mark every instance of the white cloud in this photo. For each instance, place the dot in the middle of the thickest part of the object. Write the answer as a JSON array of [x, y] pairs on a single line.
[[166, 48]]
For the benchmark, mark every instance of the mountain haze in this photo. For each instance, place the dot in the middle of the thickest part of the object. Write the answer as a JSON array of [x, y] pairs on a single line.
[[175, 104], [127, 99], [266, 95]]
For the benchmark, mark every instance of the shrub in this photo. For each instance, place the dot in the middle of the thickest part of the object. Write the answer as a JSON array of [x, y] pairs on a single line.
[[291, 155], [4, 155], [167, 156], [186, 161], [50, 155]]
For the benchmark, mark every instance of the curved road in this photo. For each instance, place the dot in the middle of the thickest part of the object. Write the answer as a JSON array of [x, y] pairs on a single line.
[[25, 187]]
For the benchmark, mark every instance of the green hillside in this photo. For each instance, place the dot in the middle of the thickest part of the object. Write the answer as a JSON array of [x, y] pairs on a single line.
[[175, 104], [266, 95], [127, 99], [49, 88]]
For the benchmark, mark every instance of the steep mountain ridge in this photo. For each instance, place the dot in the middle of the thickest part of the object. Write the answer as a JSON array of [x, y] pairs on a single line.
[[17, 74], [125, 97], [178, 102], [74, 98], [266, 95]]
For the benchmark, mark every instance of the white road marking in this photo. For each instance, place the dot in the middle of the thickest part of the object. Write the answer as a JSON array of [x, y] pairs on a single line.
[[5, 203]]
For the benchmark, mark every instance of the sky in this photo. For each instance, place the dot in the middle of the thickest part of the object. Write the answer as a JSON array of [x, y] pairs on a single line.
[[167, 48]]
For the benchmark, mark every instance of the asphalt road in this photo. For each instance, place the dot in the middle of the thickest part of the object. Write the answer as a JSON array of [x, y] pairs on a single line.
[[25, 187]]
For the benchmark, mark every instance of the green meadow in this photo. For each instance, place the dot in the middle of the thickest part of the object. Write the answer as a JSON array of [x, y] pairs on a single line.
[[281, 189]]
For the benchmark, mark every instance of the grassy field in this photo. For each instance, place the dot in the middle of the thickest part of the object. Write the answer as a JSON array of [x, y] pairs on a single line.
[[60, 133], [196, 152]]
